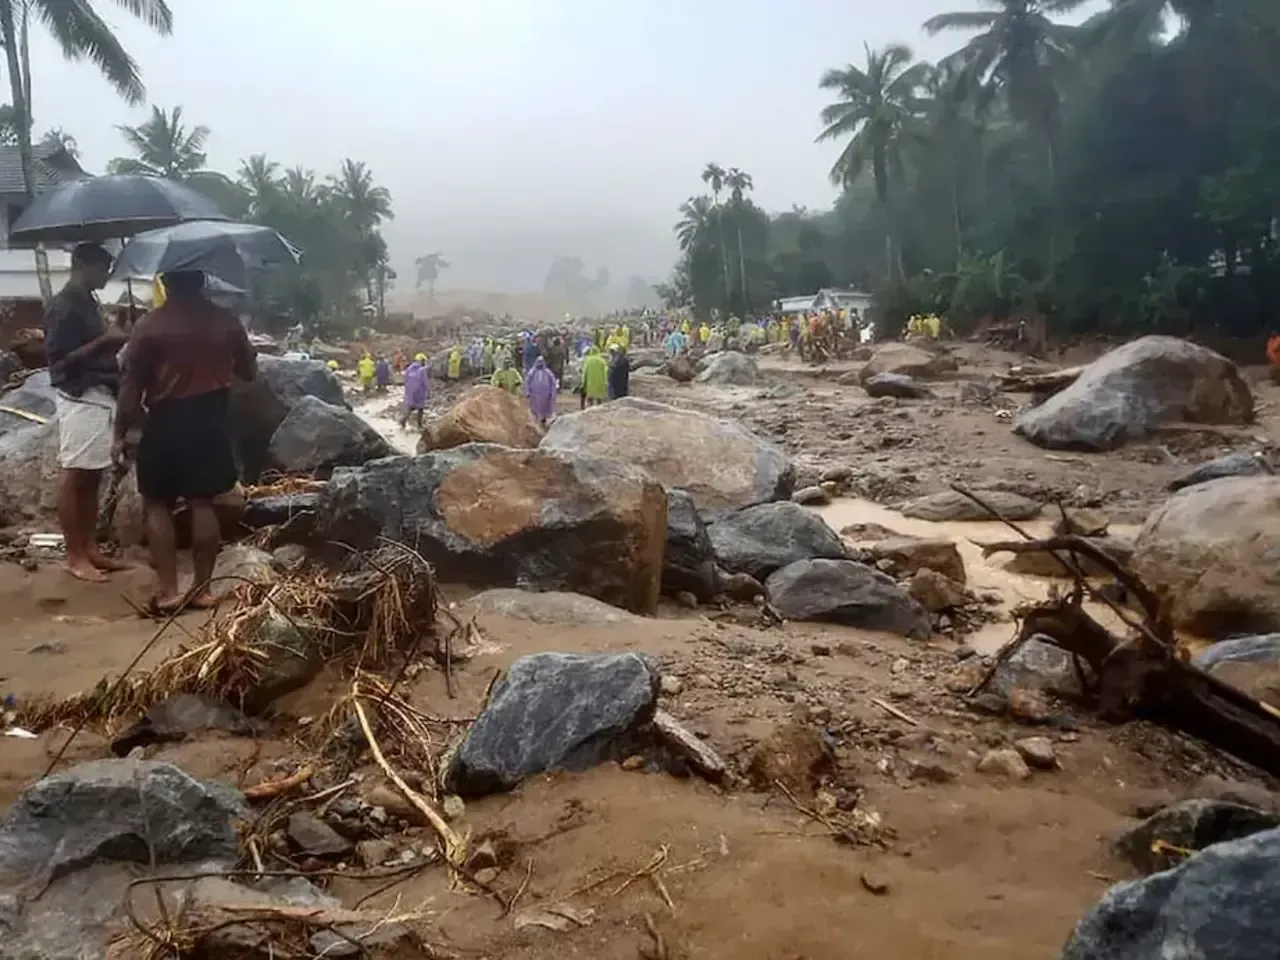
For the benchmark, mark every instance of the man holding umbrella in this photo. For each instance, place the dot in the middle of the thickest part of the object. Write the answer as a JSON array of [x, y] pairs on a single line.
[[85, 376], [180, 364]]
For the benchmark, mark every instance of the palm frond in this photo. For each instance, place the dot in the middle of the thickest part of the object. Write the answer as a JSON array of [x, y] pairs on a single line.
[[83, 35], [154, 13], [971, 20]]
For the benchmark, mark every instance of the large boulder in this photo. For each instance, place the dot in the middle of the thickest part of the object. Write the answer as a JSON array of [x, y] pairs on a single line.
[[895, 385], [72, 842], [259, 407], [718, 463], [948, 505], [495, 516], [1134, 389], [690, 562], [1249, 663], [760, 539], [1232, 465], [549, 608], [316, 437], [1218, 905], [728, 369], [484, 415], [555, 711], [1211, 549], [842, 591], [907, 360], [34, 396], [1190, 825]]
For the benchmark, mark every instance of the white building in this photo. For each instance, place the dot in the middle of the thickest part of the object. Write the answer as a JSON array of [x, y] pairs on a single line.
[[828, 298]]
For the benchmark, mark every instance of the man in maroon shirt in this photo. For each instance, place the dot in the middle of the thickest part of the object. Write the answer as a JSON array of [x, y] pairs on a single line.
[[179, 365]]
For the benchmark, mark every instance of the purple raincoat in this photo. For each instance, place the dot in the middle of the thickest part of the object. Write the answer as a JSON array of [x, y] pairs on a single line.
[[540, 387], [415, 386]]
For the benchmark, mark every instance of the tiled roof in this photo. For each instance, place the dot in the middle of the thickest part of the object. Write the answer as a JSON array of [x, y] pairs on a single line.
[[47, 174]]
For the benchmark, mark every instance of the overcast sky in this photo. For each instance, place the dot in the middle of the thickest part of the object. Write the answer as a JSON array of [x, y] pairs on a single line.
[[508, 131]]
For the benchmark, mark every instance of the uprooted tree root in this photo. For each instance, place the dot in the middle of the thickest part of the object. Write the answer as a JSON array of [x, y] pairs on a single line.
[[1142, 675]]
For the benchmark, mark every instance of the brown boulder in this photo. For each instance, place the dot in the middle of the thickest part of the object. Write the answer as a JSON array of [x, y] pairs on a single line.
[[794, 755], [1211, 550], [487, 515], [909, 554], [484, 415], [906, 359]]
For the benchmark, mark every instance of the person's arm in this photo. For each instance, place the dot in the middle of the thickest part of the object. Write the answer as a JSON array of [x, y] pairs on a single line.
[[64, 328], [138, 365], [244, 358]]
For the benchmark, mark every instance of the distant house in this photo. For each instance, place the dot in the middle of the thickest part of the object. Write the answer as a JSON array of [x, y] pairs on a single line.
[[828, 298], [51, 166]]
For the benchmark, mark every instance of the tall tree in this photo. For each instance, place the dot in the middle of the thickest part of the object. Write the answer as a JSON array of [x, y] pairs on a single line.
[[1021, 54], [429, 267], [163, 146], [740, 184], [261, 180], [82, 34], [875, 107], [696, 215], [365, 205], [58, 139], [714, 175]]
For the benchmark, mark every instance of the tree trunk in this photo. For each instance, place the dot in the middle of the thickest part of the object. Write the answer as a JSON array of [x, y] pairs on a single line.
[[431, 291], [742, 273], [880, 174], [22, 115], [1052, 151], [724, 252]]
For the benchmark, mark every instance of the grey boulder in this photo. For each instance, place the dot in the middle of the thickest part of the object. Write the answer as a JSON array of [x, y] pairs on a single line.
[[895, 385], [316, 437], [1218, 905], [1137, 387], [1232, 465], [728, 368], [689, 563], [555, 711], [846, 592], [758, 540]]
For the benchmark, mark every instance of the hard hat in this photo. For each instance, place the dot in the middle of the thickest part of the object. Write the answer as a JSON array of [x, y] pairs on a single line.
[[421, 357]]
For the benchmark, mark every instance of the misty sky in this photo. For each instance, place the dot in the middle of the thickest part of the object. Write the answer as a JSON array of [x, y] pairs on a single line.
[[508, 131]]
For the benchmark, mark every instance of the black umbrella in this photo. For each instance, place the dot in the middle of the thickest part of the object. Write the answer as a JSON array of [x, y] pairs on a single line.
[[110, 208], [229, 251]]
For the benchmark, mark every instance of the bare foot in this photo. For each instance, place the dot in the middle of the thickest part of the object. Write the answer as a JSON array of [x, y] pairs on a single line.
[[163, 604], [84, 570], [108, 564]]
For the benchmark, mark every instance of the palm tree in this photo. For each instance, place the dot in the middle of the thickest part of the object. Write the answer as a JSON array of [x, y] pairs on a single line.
[[260, 178], [875, 107], [59, 139], [165, 147], [713, 175], [739, 185], [695, 218], [429, 268], [365, 203], [83, 35], [1021, 54]]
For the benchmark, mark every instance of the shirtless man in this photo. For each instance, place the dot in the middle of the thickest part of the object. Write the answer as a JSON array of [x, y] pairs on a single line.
[[85, 376], [179, 365]]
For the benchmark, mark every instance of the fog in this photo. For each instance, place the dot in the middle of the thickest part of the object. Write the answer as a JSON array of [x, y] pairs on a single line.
[[509, 132]]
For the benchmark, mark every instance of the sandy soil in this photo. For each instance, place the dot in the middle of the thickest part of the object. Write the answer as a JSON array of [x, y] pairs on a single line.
[[975, 867]]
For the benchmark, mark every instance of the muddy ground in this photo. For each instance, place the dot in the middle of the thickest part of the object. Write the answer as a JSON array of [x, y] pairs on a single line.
[[964, 865]]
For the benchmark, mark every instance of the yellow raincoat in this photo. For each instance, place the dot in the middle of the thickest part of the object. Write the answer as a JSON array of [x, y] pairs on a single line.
[[455, 364], [507, 379], [595, 375], [365, 370]]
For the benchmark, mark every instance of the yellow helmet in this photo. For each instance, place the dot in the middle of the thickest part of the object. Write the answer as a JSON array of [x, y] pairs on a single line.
[[421, 358], [333, 364]]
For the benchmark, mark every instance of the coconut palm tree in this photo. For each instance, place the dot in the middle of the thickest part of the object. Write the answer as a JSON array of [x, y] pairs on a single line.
[[82, 34], [739, 184], [875, 106], [429, 268], [1020, 53], [365, 203], [59, 139], [261, 180], [713, 175], [164, 146], [695, 219]]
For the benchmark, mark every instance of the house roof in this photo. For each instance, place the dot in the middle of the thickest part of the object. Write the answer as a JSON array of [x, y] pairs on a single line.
[[52, 166]]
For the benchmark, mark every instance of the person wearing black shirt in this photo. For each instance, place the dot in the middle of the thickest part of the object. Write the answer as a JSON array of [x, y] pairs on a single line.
[[619, 373], [85, 376]]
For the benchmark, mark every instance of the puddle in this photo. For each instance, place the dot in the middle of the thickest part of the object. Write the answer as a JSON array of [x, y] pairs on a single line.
[[382, 412], [984, 573]]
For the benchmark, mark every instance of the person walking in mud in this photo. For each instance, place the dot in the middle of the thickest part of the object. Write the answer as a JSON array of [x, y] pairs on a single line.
[[180, 364], [85, 376], [415, 391]]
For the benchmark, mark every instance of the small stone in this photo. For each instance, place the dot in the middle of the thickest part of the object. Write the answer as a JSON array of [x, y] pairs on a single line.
[[899, 666], [900, 691], [634, 762], [30, 565], [836, 474], [1004, 763], [811, 495], [487, 875], [315, 838], [374, 853], [929, 770], [936, 592], [1038, 752], [874, 883], [454, 808], [687, 599], [484, 855], [820, 649], [670, 685]]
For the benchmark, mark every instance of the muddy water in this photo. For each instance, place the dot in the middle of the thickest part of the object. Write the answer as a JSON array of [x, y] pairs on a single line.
[[984, 573]]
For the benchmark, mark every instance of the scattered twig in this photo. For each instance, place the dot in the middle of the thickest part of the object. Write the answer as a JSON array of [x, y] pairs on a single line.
[[524, 885], [274, 788], [894, 711], [659, 951]]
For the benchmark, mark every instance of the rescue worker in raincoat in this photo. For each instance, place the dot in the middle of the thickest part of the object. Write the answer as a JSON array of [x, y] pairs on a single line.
[[454, 370], [595, 378], [507, 378], [365, 370]]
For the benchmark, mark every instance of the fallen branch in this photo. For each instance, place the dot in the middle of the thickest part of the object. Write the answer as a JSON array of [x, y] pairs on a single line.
[[894, 711], [273, 788], [1039, 383]]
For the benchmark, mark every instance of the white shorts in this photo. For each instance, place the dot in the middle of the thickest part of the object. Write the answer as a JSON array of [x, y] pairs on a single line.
[[86, 429]]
